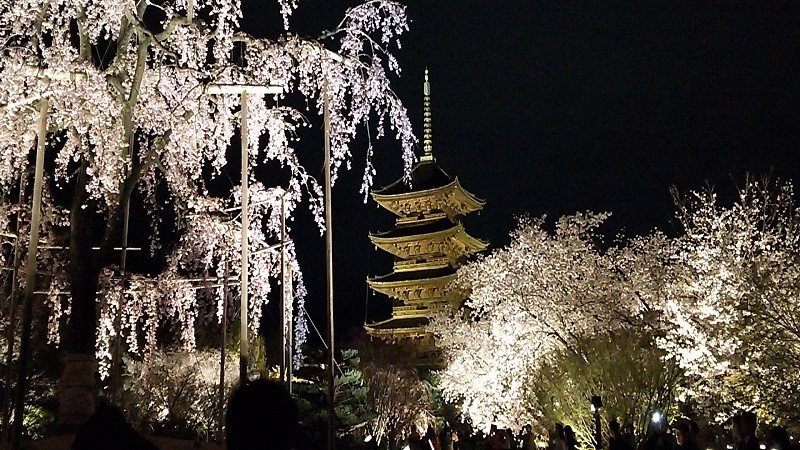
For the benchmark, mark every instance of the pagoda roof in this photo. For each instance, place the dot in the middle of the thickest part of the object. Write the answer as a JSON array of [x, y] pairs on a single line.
[[450, 198], [398, 326], [401, 240], [426, 175], [413, 229], [399, 322], [415, 286], [414, 275]]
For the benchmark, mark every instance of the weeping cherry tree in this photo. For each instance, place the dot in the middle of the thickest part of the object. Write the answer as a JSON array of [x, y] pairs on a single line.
[[124, 88]]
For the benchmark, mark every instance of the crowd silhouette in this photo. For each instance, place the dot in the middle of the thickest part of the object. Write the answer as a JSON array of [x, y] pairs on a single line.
[[261, 415], [739, 433]]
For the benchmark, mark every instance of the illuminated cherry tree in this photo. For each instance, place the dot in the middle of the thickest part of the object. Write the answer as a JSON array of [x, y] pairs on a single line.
[[732, 321], [533, 297], [125, 85], [720, 300], [399, 401]]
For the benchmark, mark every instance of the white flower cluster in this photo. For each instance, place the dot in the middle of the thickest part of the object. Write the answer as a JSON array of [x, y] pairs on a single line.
[[125, 88], [721, 299]]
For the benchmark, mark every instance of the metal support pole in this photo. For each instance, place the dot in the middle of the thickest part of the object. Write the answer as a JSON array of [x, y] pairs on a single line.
[[242, 90], [290, 333], [30, 274], [116, 373], [282, 308], [329, 267], [244, 340], [222, 353]]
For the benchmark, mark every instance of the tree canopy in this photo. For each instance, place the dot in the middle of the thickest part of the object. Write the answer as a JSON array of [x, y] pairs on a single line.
[[127, 89], [718, 303]]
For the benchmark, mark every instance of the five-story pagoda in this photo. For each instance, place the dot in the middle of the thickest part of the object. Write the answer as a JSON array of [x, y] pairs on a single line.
[[428, 243]]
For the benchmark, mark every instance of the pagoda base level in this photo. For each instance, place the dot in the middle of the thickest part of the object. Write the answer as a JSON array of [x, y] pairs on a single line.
[[411, 349]]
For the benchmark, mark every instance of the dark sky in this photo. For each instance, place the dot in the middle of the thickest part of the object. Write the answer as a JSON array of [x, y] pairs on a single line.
[[557, 107]]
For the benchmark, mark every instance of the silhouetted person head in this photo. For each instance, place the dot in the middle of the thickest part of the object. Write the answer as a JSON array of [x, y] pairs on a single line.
[[261, 415], [613, 426], [780, 438], [431, 433], [106, 429], [683, 432], [745, 425]]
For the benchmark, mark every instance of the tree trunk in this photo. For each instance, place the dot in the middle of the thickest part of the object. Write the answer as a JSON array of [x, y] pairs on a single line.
[[77, 385]]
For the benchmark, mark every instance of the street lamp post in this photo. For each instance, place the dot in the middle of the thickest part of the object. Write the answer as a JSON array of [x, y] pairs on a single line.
[[36, 214], [286, 288], [329, 266], [30, 274], [244, 90]]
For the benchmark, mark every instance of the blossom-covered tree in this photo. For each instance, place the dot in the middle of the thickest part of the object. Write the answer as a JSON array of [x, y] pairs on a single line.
[[537, 295], [125, 86], [178, 392], [720, 300], [732, 321], [399, 401]]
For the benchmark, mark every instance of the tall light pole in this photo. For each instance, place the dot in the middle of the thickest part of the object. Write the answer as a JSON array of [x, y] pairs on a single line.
[[33, 243], [290, 336], [329, 267], [285, 284], [326, 117], [30, 272], [244, 90]]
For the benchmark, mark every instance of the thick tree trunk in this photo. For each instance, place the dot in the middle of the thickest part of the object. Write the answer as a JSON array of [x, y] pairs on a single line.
[[77, 384], [77, 387], [76, 390]]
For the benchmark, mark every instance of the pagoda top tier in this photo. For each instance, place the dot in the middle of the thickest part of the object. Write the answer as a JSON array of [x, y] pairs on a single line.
[[428, 189], [431, 190]]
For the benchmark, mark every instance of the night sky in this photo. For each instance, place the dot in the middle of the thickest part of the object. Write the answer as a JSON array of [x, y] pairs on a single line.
[[557, 107]]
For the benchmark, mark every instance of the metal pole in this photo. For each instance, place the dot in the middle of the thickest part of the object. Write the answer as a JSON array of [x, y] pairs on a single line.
[[116, 375], [282, 308], [290, 346], [30, 274], [244, 347], [329, 266], [222, 353]]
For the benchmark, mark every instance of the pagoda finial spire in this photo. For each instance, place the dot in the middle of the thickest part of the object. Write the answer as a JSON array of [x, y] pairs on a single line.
[[427, 139]]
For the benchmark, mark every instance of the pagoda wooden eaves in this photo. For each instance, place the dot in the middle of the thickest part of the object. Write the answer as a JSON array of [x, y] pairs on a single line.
[[418, 290], [453, 243], [451, 198]]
